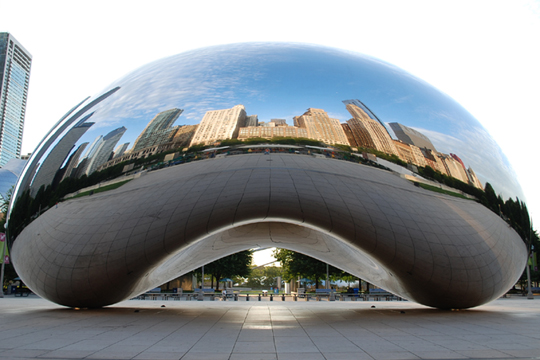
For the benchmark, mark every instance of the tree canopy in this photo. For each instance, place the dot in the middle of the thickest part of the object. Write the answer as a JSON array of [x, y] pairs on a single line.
[[238, 264], [295, 264]]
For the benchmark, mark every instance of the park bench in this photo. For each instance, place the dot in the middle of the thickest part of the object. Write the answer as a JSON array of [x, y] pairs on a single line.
[[378, 294]]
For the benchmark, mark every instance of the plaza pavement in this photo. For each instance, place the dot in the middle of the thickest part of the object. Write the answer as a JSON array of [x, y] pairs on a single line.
[[33, 328]]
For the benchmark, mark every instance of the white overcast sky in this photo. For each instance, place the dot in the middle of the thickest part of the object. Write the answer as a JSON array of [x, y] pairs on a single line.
[[484, 54]]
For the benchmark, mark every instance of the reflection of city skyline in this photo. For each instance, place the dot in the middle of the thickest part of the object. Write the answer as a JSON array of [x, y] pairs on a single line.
[[363, 130]]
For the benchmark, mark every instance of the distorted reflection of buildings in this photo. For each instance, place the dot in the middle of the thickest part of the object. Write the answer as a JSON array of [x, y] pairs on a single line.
[[321, 127], [73, 161], [252, 120], [181, 137], [104, 149], [363, 131], [411, 136], [364, 108], [159, 130], [269, 132], [369, 133], [120, 150], [48, 171], [220, 125]]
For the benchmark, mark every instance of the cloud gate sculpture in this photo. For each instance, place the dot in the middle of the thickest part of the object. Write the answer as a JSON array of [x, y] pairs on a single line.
[[322, 151]]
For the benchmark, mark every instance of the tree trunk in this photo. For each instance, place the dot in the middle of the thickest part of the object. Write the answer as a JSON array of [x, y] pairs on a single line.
[[218, 277]]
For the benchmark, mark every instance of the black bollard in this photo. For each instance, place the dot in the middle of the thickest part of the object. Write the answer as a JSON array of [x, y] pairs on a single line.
[[235, 297], [259, 297], [247, 297], [271, 298], [283, 297], [295, 298]]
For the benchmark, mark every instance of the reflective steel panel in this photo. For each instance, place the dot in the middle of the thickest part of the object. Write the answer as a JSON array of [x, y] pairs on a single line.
[[335, 154]]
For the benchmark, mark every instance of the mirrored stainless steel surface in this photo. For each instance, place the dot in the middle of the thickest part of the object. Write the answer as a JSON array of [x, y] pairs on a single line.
[[226, 148]]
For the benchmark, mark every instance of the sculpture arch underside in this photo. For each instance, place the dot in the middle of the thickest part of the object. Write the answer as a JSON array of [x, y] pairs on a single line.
[[431, 248]]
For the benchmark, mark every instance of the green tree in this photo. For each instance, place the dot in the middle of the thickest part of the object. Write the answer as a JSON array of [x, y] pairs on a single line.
[[238, 264], [263, 277], [295, 264]]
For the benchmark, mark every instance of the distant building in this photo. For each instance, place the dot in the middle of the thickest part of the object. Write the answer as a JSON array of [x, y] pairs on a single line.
[[473, 179], [366, 110], [410, 154], [454, 168], [120, 150], [182, 138], [15, 63], [269, 132], [58, 155], [369, 133], [73, 161], [457, 158], [158, 131], [105, 149], [252, 120], [350, 136], [220, 125], [411, 136], [279, 122], [321, 127]]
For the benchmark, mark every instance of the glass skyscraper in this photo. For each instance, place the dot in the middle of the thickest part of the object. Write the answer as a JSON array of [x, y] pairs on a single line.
[[15, 64]]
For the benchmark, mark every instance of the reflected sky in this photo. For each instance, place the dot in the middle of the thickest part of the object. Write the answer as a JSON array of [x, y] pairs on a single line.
[[277, 80]]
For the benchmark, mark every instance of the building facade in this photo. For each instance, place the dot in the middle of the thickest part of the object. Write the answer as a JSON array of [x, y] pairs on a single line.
[[47, 172], [15, 63], [321, 127], [366, 110], [105, 149], [158, 130], [369, 133], [220, 125], [269, 132], [410, 136]]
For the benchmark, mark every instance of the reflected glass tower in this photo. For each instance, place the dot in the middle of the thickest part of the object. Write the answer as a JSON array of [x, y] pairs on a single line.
[[15, 64], [157, 128], [411, 136]]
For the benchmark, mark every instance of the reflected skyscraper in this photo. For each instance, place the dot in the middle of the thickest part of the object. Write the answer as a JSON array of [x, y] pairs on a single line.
[[220, 125], [369, 133], [363, 106], [104, 150], [321, 127], [15, 64], [158, 130], [252, 120], [411, 136], [120, 150], [54, 160], [73, 161], [372, 222]]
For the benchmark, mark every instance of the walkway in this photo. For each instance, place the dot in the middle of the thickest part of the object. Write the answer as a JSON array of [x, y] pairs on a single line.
[[32, 328]]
